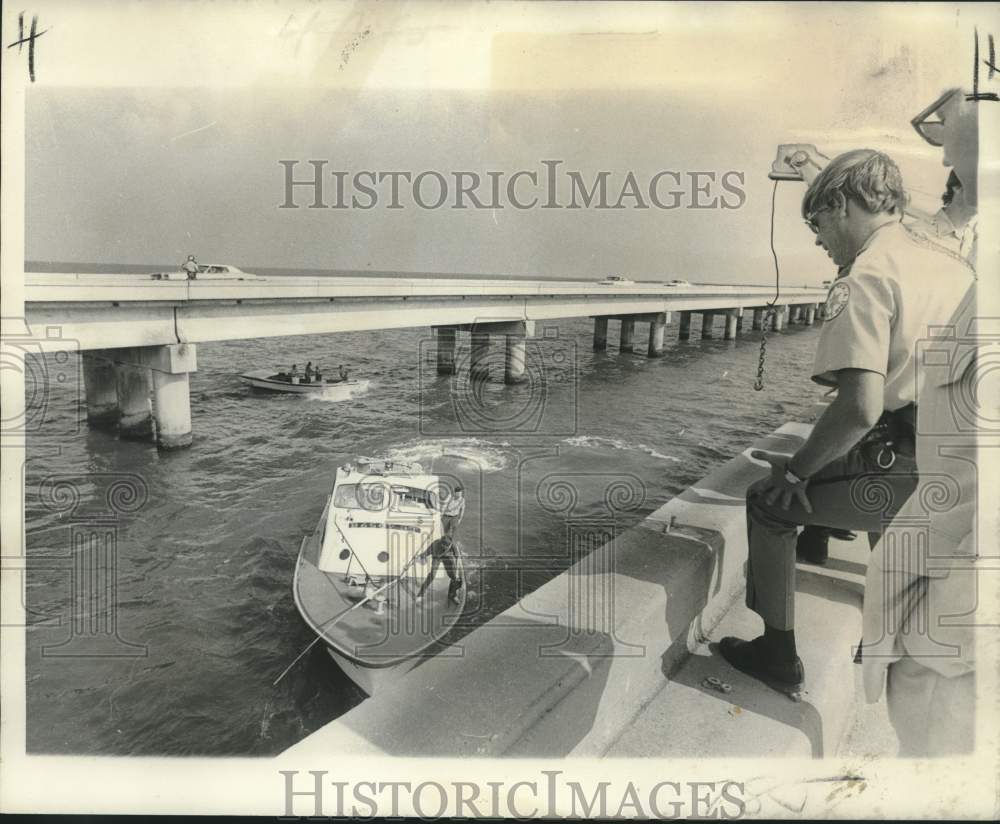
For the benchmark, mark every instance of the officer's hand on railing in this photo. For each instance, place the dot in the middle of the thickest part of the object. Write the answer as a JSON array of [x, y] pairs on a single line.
[[783, 485]]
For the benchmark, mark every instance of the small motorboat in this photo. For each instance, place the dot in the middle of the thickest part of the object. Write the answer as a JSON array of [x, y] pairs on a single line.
[[358, 575], [301, 385]]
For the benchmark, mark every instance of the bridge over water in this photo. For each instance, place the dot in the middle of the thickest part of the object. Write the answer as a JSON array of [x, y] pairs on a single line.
[[137, 336]]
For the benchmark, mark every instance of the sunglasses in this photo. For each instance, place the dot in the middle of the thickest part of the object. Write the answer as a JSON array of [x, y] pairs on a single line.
[[811, 219], [928, 123]]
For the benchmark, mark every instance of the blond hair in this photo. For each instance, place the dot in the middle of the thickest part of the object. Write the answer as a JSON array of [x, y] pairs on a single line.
[[870, 178]]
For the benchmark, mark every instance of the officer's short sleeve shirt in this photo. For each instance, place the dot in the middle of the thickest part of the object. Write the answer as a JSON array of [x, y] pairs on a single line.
[[901, 289]]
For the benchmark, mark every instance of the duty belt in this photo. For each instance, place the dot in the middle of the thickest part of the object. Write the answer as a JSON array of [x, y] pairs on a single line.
[[892, 435]]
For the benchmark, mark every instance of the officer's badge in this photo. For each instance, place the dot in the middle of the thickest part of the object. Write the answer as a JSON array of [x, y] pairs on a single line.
[[836, 300]]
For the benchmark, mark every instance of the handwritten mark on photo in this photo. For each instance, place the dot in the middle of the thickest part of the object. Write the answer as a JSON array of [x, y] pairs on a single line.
[[30, 40]]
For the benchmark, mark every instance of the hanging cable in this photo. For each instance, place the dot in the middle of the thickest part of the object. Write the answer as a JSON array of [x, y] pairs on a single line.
[[771, 310]]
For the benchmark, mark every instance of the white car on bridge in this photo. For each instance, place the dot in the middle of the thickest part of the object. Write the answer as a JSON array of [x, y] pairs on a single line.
[[616, 280], [208, 271]]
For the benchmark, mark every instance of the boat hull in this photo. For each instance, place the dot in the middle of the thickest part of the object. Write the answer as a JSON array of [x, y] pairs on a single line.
[[371, 680], [375, 643], [266, 383]]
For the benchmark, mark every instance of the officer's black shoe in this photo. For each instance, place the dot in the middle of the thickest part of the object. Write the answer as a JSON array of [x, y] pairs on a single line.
[[812, 545], [753, 658]]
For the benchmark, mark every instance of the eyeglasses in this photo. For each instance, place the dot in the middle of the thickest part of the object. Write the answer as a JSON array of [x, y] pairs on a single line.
[[928, 123], [811, 219]]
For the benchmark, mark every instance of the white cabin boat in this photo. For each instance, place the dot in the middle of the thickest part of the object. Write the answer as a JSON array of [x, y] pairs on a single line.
[[359, 572], [298, 384]]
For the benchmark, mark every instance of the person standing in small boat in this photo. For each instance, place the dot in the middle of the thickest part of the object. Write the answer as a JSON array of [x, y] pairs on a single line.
[[343, 372], [454, 510], [309, 372], [443, 551]]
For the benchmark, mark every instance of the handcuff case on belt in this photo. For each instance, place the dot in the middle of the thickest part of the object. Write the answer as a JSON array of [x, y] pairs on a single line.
[[881, 444]]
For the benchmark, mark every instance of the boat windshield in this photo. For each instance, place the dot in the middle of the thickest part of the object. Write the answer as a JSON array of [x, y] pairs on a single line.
[[360, 496], [414, 500]]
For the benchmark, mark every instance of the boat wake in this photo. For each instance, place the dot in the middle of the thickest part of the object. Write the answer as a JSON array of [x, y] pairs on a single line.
[[595, 442], [335, 393], [487, 456]]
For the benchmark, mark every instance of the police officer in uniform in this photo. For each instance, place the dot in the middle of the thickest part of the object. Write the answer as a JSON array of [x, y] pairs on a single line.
[[856, 469], [949, 122], [913, 647]]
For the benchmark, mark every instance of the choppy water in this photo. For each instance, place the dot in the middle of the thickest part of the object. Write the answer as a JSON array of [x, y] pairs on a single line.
[[206, 549]]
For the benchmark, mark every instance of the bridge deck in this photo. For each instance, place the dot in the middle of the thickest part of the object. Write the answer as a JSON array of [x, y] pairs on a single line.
[[95, 311]]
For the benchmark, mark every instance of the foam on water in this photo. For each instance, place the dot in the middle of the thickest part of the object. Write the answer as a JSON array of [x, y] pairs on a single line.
[[486, 455], [596, 442], [335, 393]]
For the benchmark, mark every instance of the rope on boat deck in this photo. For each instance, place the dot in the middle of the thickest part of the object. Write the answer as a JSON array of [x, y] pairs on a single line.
[[342, 613]]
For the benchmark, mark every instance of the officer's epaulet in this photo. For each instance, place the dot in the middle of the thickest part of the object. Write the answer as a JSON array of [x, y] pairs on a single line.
[[925, 241]]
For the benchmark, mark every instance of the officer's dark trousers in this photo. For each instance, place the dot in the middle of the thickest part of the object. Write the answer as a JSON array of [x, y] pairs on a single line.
[[851, 492]]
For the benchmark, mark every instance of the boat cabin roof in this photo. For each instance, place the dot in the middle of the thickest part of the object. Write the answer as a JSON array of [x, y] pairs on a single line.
[[392, 473], [413, 481]]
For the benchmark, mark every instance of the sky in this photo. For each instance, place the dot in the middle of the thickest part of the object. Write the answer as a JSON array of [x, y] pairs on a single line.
[[146, 165]]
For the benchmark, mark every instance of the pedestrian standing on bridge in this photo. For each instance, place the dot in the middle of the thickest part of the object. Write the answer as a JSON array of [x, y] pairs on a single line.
[[857, 467], [191, 267]]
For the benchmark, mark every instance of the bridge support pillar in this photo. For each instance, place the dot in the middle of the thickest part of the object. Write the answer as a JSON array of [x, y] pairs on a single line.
[[600, 334], [684, 332], [657, 332], [779, 318], [739, 321], [707, 322], [479, 363], [446, 350], [515, 331], [171, 366], [796, 316], [731, 318], [810, 314], [101, 386], [163, 372], [758, 318], [172, 409], [516, 360], [133, 386], [627, 341]]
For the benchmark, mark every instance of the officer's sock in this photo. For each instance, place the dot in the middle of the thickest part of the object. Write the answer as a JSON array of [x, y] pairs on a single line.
[[780, 643]]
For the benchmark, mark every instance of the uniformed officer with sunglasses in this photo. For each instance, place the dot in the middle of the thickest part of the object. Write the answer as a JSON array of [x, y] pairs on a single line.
[[857, 468]]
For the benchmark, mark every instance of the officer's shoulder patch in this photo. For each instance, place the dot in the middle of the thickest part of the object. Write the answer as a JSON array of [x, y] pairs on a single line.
[[836, 300]]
